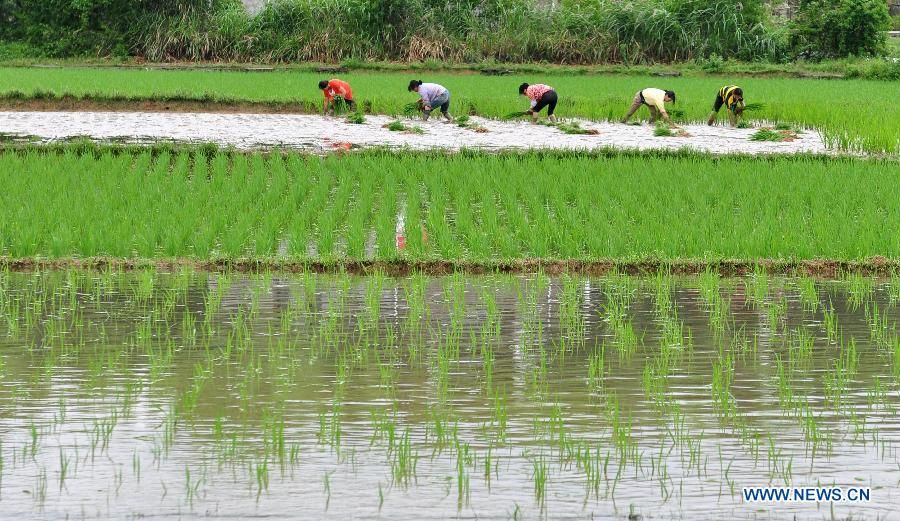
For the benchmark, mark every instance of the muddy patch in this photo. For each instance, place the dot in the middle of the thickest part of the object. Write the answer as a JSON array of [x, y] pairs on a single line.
[[320, 134]]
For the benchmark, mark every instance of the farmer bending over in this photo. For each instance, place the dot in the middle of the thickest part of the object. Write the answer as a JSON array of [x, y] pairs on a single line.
[[541, 96], [336, 92], [655, 99], [732, 97], [432, 96]]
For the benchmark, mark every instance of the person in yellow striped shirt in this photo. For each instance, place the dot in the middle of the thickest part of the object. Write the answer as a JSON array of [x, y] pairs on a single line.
[[732, 97]]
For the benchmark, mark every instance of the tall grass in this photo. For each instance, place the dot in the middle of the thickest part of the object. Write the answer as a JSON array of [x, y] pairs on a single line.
[[476, 207], [467, 30]]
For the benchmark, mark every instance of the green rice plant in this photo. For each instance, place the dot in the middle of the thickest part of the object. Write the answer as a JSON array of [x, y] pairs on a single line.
[[340, 105], [573, 127], [722, 379], [766, 134], [809, 295], [663, 130], [301, 208], [413, 109], [356, 118], [859, 288], [516, 115], [399, 126], [894, 289]]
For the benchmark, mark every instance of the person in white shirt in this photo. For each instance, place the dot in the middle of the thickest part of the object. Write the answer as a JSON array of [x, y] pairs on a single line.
[[432, 96], [655, 99]]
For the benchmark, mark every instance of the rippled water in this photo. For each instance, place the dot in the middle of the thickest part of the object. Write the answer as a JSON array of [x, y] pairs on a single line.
[[310, 396]]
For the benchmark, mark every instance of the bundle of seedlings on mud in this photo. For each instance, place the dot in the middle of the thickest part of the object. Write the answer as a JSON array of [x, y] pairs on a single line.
[[769, 134], [464, 122], [399, 126], [357, 118], [664, 130], [570, 127], [744, 124]]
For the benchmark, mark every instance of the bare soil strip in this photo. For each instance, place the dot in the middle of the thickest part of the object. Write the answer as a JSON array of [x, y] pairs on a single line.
[[319, 134], [823, 268]]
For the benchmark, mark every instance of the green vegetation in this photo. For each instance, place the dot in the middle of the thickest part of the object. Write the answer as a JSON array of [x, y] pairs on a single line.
[[572, 127], [840, 109], [827, 28], [767, 134], [357, 118], [662, 130], [414, 30], [476, 207], [399, 126]]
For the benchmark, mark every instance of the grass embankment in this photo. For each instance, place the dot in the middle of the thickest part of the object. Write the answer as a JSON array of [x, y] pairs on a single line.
[[845, 68], [853, 114], [468, 209]]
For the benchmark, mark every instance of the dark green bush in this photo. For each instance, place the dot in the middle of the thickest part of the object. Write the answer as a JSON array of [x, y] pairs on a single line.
[[838, 28]]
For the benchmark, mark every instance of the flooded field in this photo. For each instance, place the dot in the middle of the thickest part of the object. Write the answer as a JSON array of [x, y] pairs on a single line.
[[193, 394], [320, 134]]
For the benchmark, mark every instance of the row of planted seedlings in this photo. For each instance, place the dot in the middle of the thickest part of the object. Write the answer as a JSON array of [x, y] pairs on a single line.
[[221, 356], [197, 205]]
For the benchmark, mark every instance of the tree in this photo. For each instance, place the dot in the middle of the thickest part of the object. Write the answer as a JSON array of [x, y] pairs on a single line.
[[838, 28]]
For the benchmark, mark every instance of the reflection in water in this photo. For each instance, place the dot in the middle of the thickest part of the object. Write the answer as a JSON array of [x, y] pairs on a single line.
[[329, 396]]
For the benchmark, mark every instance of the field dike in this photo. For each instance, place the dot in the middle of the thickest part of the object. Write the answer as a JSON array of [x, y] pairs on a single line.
[[322, 134], [822, 268]]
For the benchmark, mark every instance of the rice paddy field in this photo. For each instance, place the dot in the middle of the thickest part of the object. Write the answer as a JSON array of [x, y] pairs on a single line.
[[464, 208], [853, 115], [189, 331], [192, 394]]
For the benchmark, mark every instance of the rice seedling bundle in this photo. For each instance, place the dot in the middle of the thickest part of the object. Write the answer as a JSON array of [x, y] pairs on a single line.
[[356, 118], [663, 130], [768, 134], [414, 108]]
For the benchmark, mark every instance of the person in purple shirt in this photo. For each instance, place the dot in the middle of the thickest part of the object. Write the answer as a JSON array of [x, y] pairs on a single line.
[[433, 96]]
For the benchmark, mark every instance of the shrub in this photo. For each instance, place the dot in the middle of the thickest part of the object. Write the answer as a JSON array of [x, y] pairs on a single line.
[[837, 28]]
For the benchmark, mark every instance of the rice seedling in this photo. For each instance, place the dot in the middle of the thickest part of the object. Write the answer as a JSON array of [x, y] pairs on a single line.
[[767, 134], [356, 118], [399, 126], [859, 288], [573, 127], [413, 109], [662, 130], [894, 289], [809, 295], [464, 122]]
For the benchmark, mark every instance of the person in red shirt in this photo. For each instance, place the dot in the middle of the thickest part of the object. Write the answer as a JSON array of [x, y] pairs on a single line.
[[541, 96], [333, 90]]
